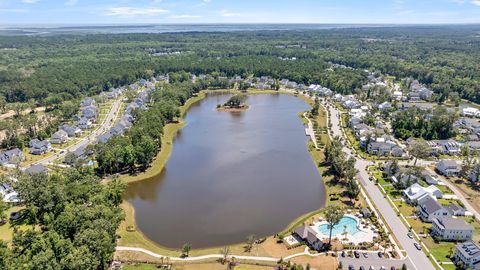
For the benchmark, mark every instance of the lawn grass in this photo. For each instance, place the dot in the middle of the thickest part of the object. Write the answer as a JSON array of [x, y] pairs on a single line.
[[6, 230], [439, 250]]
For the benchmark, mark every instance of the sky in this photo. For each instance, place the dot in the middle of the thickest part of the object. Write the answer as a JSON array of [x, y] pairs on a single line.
[[81, 12]]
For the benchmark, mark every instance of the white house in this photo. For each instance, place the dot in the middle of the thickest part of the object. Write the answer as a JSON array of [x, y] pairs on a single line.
[[416, 193], [470, 112], [428, 209], [468, 253], [448, 167], [452, 229], [307, 234]]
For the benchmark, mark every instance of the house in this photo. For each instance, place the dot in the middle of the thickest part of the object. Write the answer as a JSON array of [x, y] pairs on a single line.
[[414, 96], [72, 131], [59, 137], [366, 213], [385, 106], [38, 147], [456, 210], [90, 113], [87, 102], [425, 93], [84, 123], [397, 95], [104, 137], [448, 167], [475, 173], [34, 169], [451, 229], [428, 209], [384, 149], [473, 145], [470, 112], [11, 156], [307, 234], [416, 193], [11, 197], [450, 147], [468, 254]]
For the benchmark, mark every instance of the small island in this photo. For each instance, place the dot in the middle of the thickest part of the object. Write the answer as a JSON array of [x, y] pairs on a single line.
[[234, 104]]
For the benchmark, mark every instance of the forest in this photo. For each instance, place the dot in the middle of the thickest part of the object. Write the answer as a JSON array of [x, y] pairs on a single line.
[[61, 67]]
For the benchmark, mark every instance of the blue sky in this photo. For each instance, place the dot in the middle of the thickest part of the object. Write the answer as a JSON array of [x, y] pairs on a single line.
[[28, 12]]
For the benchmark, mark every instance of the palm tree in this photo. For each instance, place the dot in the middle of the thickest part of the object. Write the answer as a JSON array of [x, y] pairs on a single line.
[[225, 251], [186, 249], [333, 215]]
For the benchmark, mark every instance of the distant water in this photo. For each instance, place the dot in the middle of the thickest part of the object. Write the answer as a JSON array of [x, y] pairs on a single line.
[[167, 28]]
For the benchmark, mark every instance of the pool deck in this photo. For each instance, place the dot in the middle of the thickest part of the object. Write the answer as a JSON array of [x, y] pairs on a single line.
[[366, 232]]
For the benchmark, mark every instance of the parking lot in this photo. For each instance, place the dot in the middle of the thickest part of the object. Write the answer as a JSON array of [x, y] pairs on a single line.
[[373, 260]]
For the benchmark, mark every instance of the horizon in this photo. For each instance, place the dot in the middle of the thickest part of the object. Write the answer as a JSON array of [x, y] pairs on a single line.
[[169, 12]]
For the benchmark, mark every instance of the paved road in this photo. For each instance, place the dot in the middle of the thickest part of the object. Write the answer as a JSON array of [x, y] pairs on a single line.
[[104, 126], [417, 258]]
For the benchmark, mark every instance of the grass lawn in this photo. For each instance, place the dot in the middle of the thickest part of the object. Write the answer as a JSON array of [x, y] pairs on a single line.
[[30, 159], [197, 266], [6, 230], [439, 250]]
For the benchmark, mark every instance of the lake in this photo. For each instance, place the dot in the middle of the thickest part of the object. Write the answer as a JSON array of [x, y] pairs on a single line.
[[231, 175]]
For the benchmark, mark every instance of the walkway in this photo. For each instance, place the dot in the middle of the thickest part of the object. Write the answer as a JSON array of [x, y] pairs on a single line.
[[309, 130]]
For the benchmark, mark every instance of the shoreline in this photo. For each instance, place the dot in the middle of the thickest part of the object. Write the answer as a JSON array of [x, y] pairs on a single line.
[[170, 131]]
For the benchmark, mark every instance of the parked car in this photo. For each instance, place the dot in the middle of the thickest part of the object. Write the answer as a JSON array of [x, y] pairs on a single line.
[[365, 254], [417, 246], [343, 254], [362, 268], [380, 254], [351, 267], [371, 267], [393, 268], [382, 268], [357, 254], [410, 235]]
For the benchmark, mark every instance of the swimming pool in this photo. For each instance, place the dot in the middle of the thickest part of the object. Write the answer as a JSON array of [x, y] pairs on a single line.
[[348, 224]]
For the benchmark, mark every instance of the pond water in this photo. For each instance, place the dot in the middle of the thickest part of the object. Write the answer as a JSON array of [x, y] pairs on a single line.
[[231, 175]]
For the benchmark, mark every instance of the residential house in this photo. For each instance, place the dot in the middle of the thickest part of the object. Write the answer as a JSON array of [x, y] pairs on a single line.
[[475, 173], [425, 93], [90, 113], [456, 210], [416, 193], [87, 102], [384, 149], [38, 147], [430, 179], [104, 137], [307, 234], [470, 112], [428, 209], [72, 131], [414, 96], [468, 254], [473, 145], [448, 167], [11, 156], [37, 168], [449, 147], [84, 123], [59, 137], [385, 106], [366, 213], [451, 229]]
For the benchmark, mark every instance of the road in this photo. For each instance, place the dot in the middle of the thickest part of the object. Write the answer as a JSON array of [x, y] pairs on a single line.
[[104, 126], [417, 258]]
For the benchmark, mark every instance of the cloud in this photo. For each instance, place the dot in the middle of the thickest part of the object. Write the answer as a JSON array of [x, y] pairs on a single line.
[[184, 16], [12, 10], [476, 2], [226, 13], [134, 11], [71, 2], [30, 1]]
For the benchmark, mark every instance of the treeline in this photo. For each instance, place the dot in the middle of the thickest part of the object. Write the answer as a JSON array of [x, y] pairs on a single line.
[[427, 124], [69, 222], [136, 149], [66, 66]]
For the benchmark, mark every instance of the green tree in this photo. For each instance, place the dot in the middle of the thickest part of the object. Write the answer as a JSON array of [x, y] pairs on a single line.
[[419, 149], [186, 249], [333, 215]]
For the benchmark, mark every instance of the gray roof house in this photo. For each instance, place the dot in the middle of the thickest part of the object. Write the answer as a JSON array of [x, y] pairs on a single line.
[[11, 156], [90, 112], [72, 131], [307, 234], [451, 229], [87, 102], [448, 167], [38, 147], [455, 210], [104, 137], [384, 149], [468, 253], [84, 123], [59, 137], [429, 208], [38, 168]]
